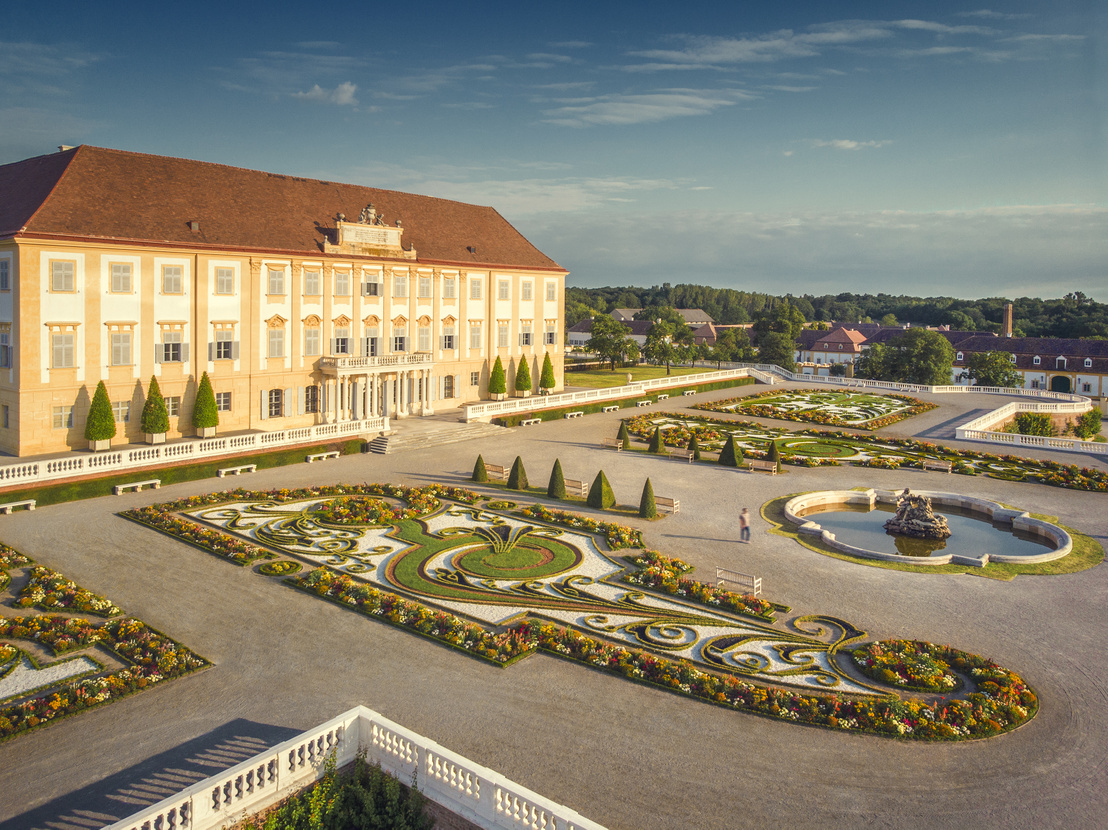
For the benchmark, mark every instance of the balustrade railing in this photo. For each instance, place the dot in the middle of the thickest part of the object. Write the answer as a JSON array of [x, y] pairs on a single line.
[[349, 363], [476, 793]]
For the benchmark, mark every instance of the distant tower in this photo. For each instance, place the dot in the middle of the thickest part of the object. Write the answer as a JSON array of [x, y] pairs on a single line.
[[1007, 326]]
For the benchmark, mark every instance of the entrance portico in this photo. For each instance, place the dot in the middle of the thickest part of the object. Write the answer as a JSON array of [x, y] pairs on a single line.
[[393, 386]]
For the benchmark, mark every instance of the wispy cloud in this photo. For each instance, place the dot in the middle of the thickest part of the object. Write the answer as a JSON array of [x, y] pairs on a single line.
[[847, 144], [42, 68], [343, 94], [641, 108]]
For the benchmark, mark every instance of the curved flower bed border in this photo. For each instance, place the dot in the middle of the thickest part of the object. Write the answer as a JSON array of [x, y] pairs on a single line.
[[618, 537], [909, 664], [747, 406], [51, 591]]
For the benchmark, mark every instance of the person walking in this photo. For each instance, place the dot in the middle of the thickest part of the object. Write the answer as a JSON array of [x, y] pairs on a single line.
[[744, 525]]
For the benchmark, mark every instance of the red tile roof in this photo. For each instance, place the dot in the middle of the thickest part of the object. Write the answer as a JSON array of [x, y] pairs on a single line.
[[94, 193]]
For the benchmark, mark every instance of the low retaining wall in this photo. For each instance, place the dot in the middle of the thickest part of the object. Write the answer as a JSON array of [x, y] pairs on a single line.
[[1018, 519]]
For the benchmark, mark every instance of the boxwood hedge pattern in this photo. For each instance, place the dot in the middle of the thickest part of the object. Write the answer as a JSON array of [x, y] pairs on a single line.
[[819, 406]]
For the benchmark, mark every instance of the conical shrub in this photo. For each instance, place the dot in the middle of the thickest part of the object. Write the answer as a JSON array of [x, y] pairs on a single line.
[[498, 381], [556, 489], [647, 508], [624, 435], [600, 493], [100, 423], [657, 445], [205, 412], [774, 455], [728, 456], [517, 478], [546, 379], [155, 416], [694, 448], [523, 376], [480, 474]]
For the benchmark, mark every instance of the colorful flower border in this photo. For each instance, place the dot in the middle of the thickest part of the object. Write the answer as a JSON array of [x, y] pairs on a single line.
[[747, 405]]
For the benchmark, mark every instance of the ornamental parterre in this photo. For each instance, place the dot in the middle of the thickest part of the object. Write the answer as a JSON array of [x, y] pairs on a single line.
[[819, 406], [503, 584]]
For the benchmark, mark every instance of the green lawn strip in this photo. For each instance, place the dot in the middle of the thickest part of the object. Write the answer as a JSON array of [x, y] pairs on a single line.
[[93, 488], [607, 378], [624, 403], [1086, 552]]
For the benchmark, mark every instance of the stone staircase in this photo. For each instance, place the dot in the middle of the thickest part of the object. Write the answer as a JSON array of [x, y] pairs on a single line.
[[416, 437]]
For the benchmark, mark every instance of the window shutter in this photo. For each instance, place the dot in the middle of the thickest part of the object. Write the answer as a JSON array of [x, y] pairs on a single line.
[[332, 346], [184, 352], [211, 351], [158, 352], [235, 350], [300, 400], [265, 403], [286, 408], [457, 386]]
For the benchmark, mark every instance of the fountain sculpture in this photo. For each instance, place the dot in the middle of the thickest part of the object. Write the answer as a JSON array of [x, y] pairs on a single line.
[[914, 517]]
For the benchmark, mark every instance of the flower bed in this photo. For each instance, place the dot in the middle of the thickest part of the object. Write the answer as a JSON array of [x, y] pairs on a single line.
[[908, 664], [664, 574], [358, 510], [282, 568], [212, 541], [11, 558], [749, 405], [50, 591], [617, 536]]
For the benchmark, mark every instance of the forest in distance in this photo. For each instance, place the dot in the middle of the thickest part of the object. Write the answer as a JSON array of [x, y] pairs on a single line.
[[1074, 315]]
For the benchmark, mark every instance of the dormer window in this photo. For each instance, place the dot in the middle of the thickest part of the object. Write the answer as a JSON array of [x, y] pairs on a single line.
[[1036, 360], [1088, 363], [1060, 363], [1012, 357], [960, 356]]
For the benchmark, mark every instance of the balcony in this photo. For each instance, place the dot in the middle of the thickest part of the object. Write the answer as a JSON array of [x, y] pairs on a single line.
[[349, 364]]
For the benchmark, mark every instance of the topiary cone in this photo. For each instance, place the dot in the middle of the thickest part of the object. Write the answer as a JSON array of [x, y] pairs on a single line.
[[774, 455], [517, 478], [155, 416], [727, 456], [647, 508], [546, 379], [480, 474], [694, 448], [624, 435], [556, 489], [657, 445], [100, 424], [600, 493]]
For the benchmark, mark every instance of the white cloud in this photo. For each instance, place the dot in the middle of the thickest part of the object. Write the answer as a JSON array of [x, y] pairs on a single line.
[[847, 144], [342, 95], [641, 108]]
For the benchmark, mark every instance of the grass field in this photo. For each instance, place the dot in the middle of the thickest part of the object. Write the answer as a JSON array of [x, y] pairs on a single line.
[[605, 378]]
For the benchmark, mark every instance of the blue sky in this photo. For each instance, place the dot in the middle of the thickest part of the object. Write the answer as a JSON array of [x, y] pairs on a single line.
[[804, 147]]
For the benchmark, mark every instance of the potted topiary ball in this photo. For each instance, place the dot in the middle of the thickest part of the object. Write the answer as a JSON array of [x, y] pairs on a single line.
[[498, 381], [100, 424], [205, 413]]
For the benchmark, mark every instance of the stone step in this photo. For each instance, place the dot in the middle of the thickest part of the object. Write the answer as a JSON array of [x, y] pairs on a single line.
[[402, 439]]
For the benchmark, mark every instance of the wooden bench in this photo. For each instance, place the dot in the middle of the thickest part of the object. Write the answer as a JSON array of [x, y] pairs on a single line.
[[685, 455], [577, 488], [757, 465], [643, 403], [234, 471], [527, 422], [672, 505], [10, 506], [935, 464], [663, 397], [614, 443], [688, 393], [752, 584], [577, 413], [496, 472], [137, 485], [613, 408], [322, 456]]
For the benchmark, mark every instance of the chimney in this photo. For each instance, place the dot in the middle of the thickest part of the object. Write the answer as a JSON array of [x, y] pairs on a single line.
[[1006, 327]]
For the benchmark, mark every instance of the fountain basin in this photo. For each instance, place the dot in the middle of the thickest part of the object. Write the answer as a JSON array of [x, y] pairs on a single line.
[[804, 511]]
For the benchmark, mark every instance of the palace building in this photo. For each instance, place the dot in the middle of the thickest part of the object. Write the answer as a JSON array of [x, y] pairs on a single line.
[[305, 301]]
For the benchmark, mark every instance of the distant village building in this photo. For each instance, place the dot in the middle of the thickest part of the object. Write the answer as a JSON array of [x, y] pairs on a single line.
[[693, 316]]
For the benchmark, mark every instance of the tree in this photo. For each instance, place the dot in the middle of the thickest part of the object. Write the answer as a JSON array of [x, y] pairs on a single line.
[[155, 416], [647, 508], [783, 318], [498, 381], [480, 474], [778, 349], [624, 435], [730, 456], [205, 413], [600, 493], [694, 448], [732, 346], [774, 454], [660, 346], [657, 445], [556, 488], [546, 379], [1035, 423], [993, 369], [100, 424], [1088, 425], [517, 478], [523, 375], [608, 339], [914, 356]]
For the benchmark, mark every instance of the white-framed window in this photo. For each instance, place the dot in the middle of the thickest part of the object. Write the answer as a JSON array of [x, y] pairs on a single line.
[[448, 337], [551, 290], [63, 276], [504, 290], [5, 350], [448, 386], [342, 283], [1012, 357], [1086, 387], [223, 401], [173, 347], [371, 336], [276, 343], [424, 287], [341, 343], [400, 285], [224, 345], [474, 378], [121, 411], [424, 339], [1034, 384], [525, 334], [276, 403], [312, 283], [121, 277], [276, 281], [1059, 363], [61, 347], [173, 406], [224, 280], [1088, 363], [121, 348], [63, 417], [475, 288], [526, 290], [311, 341], [502, 335], [400, 339], [475, 335], [311, 399], [551, 333], [172, 279], [449, 288], [372, 286], [1036, 360], [5, 275]]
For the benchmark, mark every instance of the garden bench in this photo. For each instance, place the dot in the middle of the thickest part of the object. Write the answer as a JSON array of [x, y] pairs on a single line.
[[526, 422], [757, 465], [496, 472], [10, 506], [322, 456], [935, 464], [689, 393], [577, 413], [613, 408], [137, 485], [672, 505], [685, 455], [663, 397], [577, 488], [615, 443], [234, 471], [752, 584], [643, 403]]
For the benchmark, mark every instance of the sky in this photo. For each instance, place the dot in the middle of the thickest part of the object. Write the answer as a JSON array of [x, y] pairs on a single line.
[[926, 148]]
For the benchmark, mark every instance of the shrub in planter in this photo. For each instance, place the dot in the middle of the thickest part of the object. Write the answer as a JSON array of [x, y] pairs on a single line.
[[546, 379], [556, 489], [498, 381], [600, 493], [155, 416], [523, 378], [657, 445], [205, 413], [517, 478], [624, 435], [480, 474], [730, 456], [647, 508], [100, 424]]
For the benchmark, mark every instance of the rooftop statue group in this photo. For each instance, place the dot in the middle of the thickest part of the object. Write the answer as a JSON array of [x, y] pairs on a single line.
[[914, 517]]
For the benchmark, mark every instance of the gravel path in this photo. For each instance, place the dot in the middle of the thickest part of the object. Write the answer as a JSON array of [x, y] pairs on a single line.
[[621, 754]]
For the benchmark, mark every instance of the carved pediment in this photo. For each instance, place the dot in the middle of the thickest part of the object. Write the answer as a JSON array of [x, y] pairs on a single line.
[[276, 321], [341, 320], [312, 320], [371, 320]]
